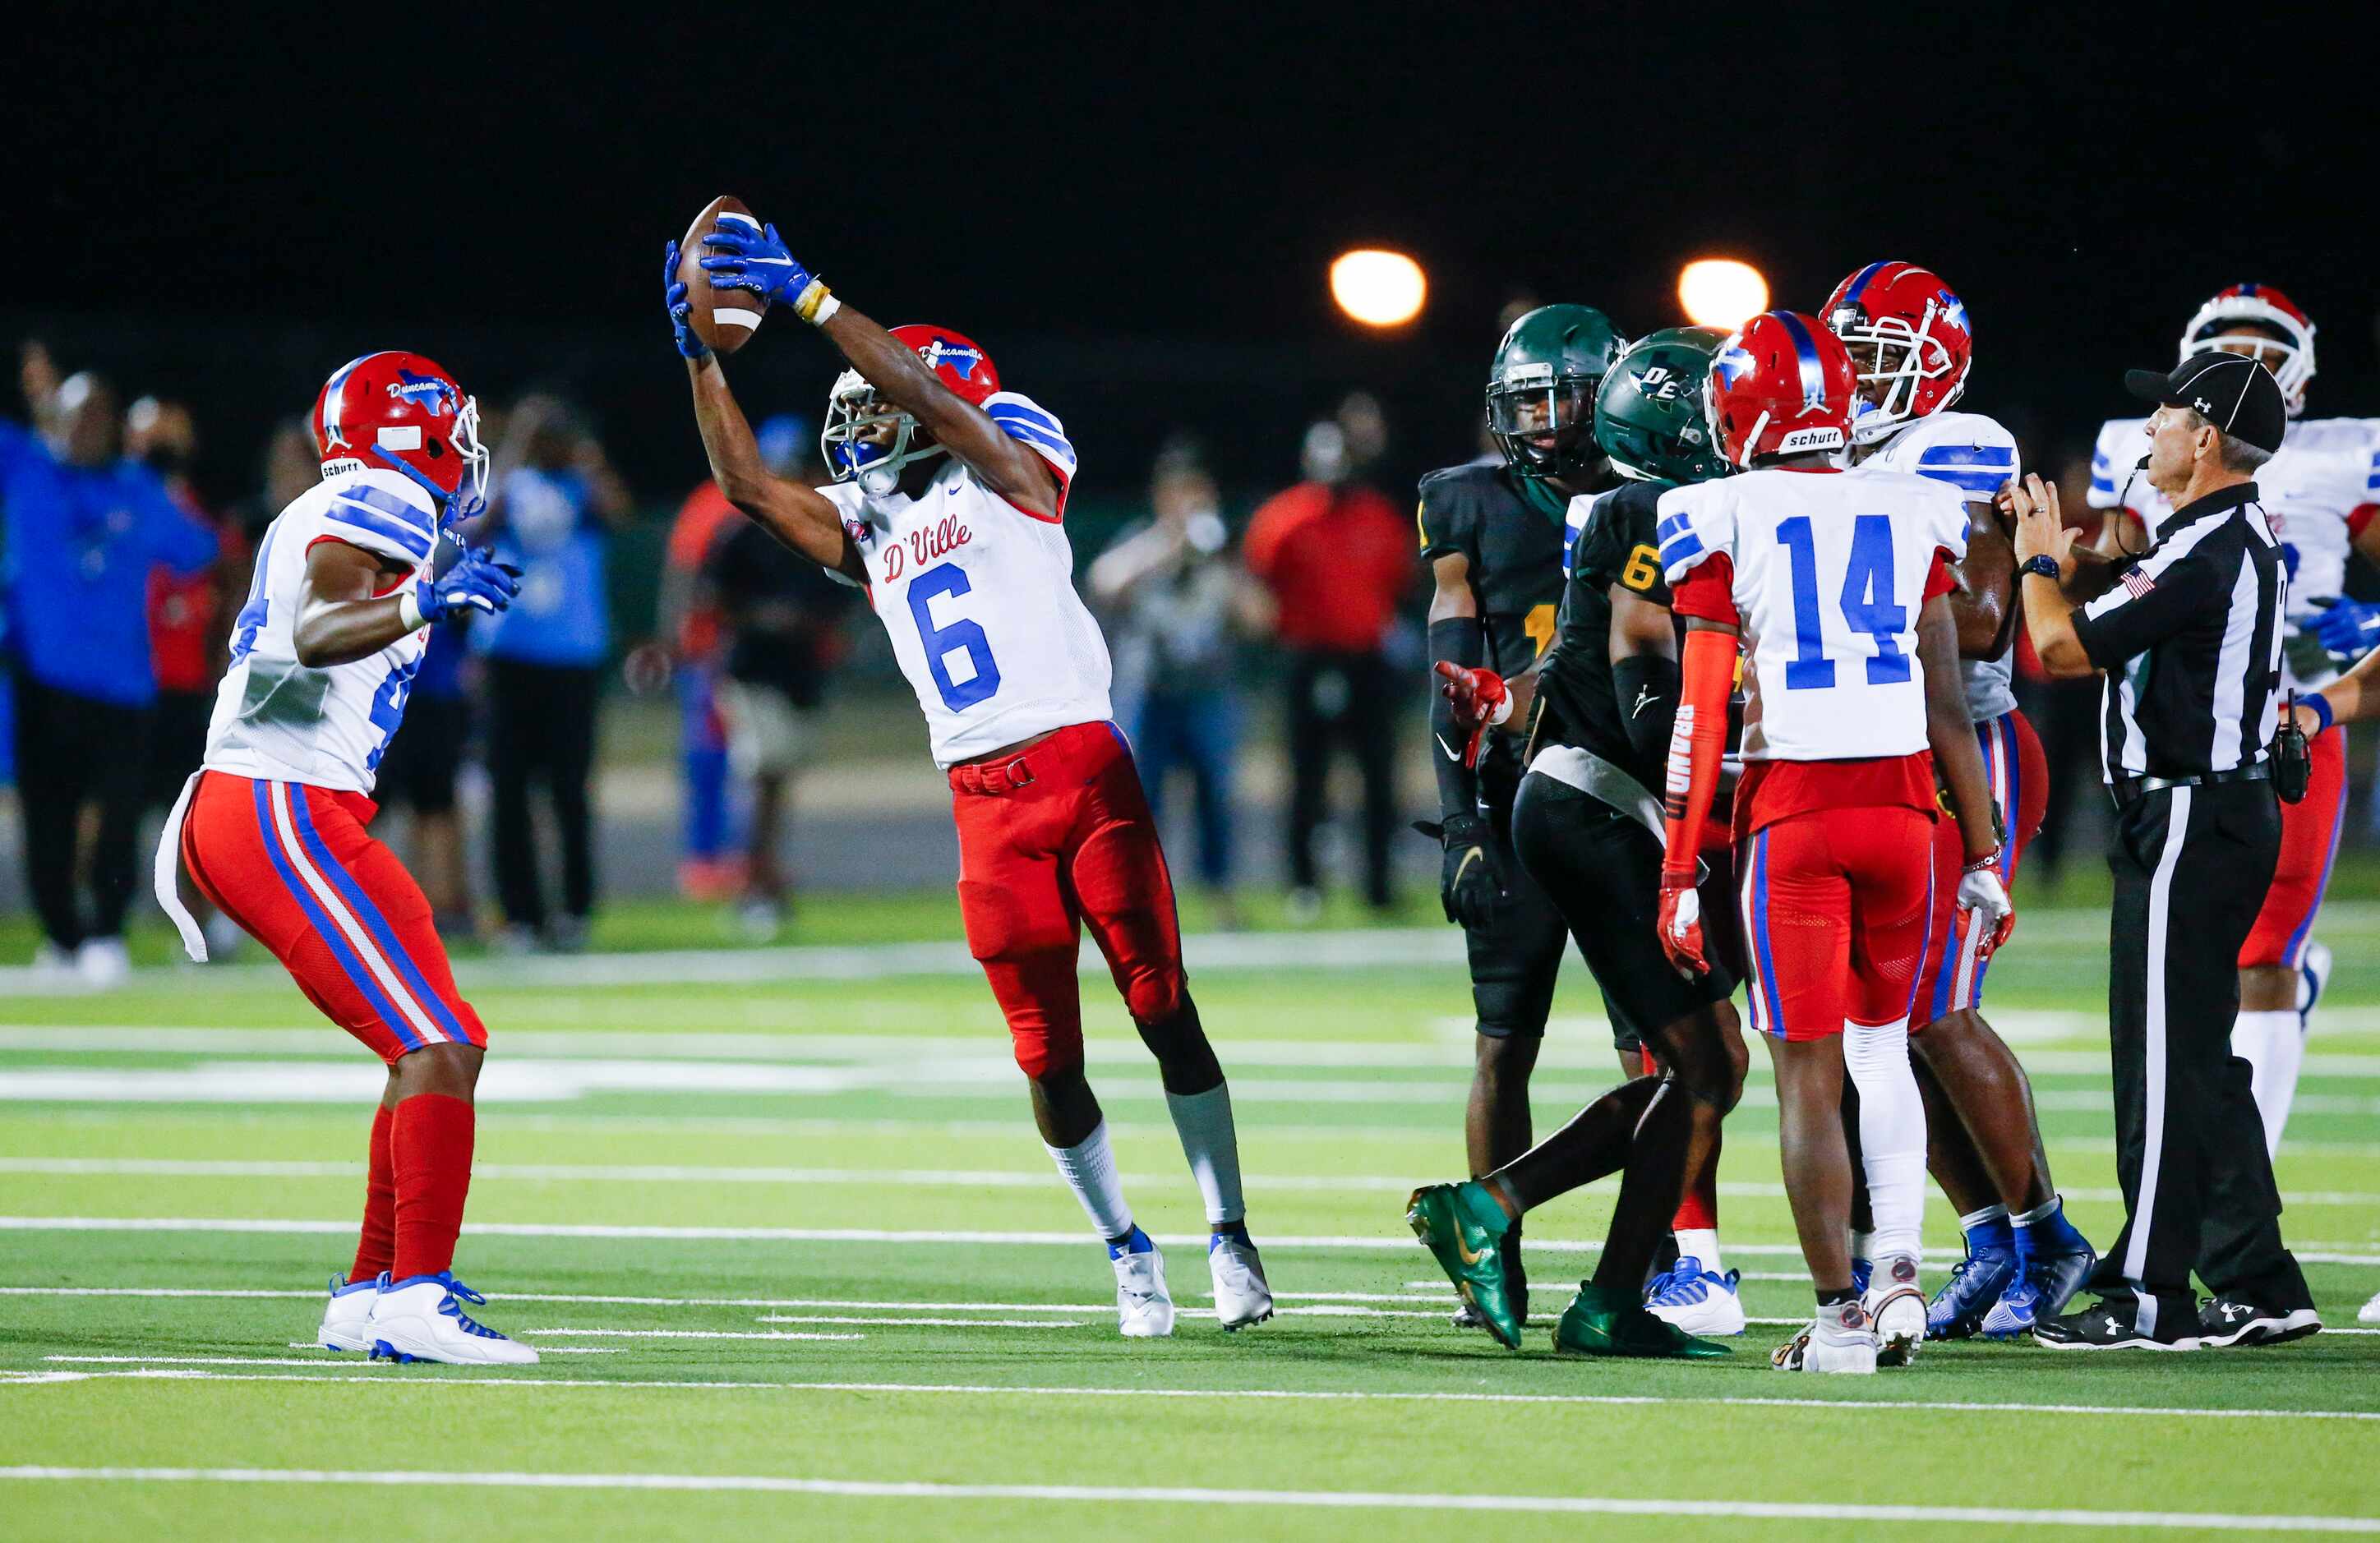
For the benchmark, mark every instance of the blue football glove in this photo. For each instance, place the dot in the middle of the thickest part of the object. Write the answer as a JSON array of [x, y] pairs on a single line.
[[681, 309], [2348, 629], [760, 264], [476, 582]]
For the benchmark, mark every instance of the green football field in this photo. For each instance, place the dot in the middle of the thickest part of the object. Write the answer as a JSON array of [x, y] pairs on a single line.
[[799, 1267]]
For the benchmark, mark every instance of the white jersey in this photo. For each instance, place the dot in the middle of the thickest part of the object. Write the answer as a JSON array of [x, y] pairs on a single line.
[[2325, 470], [1974, 454], [1829, 577], [280, 720], [979, 597]]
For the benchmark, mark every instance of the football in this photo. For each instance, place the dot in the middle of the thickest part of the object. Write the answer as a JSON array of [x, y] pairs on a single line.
[[724, 319]]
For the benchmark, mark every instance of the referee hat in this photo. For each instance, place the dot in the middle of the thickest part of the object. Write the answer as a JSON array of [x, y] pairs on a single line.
[[2231, 391]]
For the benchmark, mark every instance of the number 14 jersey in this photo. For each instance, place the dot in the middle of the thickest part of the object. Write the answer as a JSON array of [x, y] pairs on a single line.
[[977, 596], [1826, 573]]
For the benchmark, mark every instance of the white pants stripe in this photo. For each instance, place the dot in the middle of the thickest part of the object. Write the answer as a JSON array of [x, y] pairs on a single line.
[[358, 937], [2136, 1255]]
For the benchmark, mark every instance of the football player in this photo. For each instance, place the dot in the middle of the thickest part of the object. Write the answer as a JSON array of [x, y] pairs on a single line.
[[1493, 537], [1588, 831], [1835, 583], [2321, 489], [1909, 335], [272, 828], [948, 507]]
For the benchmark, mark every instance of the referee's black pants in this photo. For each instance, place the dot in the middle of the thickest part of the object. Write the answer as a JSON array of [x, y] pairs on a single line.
[[2191, 866]]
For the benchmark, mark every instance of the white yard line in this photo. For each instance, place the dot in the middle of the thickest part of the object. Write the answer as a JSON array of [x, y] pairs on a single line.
[[1855, 1405], [1384, 1242], [1335, 1500], [917, 1178]]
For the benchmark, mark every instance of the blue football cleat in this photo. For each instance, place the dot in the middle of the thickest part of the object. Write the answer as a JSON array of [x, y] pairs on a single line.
[[1861, 1272], [2014, 1314], [2057, 1277], [1701, 1302], [1977, 1284]]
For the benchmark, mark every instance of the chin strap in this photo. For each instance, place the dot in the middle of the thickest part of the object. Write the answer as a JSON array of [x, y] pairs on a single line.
[[1696, 744]]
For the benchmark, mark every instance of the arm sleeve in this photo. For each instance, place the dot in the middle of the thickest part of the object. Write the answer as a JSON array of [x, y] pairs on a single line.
[[1461, 640], [1696, 744], [1938, 577], [2143, 609], [1647, 687], [1709, 592]]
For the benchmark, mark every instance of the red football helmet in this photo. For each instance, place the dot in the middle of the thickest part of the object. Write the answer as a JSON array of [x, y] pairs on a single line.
[[2216, 326], [1918, 330], [1781, 385], [401, 410], [852, 408]]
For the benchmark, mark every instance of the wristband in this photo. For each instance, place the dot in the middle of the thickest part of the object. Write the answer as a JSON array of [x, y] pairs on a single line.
[[1503, 711], [1990, 859], [2043, 564], [815, 303], [408, 610], [2320, 705]]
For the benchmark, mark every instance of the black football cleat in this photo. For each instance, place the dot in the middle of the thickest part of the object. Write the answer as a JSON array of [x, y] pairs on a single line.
[[2228, 1322], [2103, 1328]]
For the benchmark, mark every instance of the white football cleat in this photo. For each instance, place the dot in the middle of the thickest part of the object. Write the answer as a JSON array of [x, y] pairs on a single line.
[[1840, 1339], [2370, 1313], [423, 1319], [1896, 1307], [1242, 1295], [347, 1317], [1701, 1302], [1144, 1310]]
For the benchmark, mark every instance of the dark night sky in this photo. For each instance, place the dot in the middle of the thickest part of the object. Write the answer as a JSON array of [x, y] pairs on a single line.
[[1137, 216]]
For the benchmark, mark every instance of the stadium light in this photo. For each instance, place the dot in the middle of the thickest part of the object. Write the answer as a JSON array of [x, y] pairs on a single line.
[[1720, 292], [1378, 288]]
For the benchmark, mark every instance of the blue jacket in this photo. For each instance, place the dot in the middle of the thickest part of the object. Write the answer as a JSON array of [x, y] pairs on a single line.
[[550, 529], [82, 541]]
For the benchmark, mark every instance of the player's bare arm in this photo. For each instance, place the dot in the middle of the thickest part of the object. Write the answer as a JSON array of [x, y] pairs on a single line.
[[2048, 608], [347, 612], [1950, 733], [1986, 596]]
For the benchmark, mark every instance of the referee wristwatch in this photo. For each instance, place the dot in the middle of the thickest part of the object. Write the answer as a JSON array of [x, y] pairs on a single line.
[[2044, 564]]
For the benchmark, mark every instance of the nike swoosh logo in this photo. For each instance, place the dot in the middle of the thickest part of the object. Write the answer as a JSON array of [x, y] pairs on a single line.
[[1465, 1250], [1464, 866], [1451, 753]]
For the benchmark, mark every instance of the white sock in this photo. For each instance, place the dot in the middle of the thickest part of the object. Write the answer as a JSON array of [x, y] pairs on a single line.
[[2273, 1044], [1892, 1134], [1088, 1167], [1209, 1140], [1703, 1244]]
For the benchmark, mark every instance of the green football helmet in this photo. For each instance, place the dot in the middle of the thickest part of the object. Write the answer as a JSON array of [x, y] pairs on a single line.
[[1648, 413], [1542, 387]]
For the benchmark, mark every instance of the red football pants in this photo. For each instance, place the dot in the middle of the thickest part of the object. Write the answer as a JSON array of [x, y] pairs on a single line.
[[1835, 906], [2309, 845], [2017, 774], [292, 864], [1051, 839]]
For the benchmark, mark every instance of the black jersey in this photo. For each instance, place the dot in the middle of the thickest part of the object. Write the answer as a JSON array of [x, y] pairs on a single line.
[[1611, 541], [1509, 530]]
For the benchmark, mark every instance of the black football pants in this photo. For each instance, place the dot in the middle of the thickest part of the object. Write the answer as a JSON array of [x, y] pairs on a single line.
[[2191, 866], [73, 751]]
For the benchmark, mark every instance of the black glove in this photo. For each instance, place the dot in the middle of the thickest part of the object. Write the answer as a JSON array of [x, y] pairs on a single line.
[[1471, 882]]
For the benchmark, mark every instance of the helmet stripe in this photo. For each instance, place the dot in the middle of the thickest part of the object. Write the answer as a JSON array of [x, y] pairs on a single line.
[[330, 390], [1860, 282], [1813, 373]]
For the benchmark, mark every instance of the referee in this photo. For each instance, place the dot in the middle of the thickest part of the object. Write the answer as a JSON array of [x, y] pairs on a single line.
[[2189, 635]]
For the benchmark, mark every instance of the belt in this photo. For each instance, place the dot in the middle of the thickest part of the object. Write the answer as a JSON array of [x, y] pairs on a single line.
[[997, 778], [2129, 790], [1078, 751]]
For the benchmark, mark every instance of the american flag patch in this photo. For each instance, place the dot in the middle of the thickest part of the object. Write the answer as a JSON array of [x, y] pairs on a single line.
[[2137, 583]]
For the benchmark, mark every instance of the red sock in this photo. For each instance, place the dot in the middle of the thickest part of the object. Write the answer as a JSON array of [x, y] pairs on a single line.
[[376, 1249], [1699, 1206], [432, 1148]]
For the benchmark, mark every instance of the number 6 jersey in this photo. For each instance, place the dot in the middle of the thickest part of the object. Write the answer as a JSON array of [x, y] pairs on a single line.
[[1827, 573], [276, 720], [979, 597]]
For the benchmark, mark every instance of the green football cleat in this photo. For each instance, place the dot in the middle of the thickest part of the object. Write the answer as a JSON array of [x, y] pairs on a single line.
[[1616, 1323], [1469, 1253]]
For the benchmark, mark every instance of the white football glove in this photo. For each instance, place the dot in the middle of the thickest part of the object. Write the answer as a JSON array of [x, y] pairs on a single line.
[[1980, 891]]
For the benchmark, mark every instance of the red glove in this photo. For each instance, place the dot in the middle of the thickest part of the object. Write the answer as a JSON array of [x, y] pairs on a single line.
[[1480, 700], [1681, 926]]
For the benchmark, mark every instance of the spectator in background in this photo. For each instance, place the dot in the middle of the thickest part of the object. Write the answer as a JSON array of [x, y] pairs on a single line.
[[188, 630], [1173, 595], [84, 527], [554, 499], [1336, 558], [781, 615]]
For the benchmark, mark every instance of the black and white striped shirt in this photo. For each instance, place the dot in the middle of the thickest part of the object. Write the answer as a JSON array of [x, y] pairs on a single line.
[[2190, 638]]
